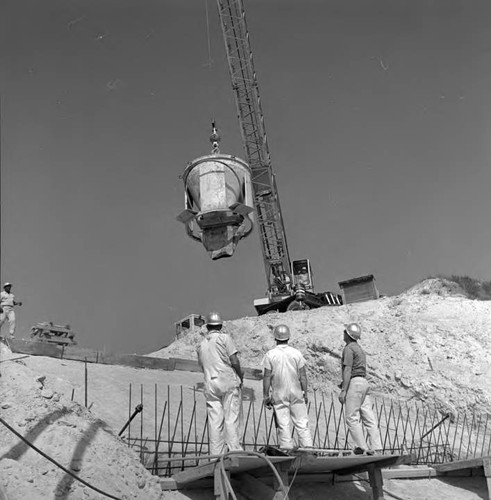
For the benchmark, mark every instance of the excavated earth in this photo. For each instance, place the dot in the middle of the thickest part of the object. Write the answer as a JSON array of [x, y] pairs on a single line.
[[429, 344]]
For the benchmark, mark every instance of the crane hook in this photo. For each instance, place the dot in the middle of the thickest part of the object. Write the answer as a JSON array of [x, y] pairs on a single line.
[[214, 139]]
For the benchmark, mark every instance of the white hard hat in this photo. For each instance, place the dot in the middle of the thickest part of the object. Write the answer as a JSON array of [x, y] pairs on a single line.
[[214, 318], [353, 330], [7, 284], [281, 332]]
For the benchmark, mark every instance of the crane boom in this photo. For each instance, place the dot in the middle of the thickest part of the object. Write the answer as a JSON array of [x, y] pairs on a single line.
[[251, 119]]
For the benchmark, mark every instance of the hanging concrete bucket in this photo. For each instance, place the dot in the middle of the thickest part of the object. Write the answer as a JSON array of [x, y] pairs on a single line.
[[218, 203]]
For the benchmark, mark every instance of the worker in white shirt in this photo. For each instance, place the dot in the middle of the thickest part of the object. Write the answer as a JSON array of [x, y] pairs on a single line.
[[7, 303], [285, 389], [218, 359]]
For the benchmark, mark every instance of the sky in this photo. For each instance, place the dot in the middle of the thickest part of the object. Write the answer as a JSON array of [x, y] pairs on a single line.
[[378, 119]]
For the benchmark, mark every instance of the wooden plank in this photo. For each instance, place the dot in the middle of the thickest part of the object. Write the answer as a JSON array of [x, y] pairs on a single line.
[[460, 465], [35, 348], [136, 361], [187, 365]]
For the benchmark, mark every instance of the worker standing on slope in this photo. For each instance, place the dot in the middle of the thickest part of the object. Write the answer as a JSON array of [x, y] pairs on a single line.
[[7, 303], [285, 389], [354, 393], [299, 303], [218, 359]]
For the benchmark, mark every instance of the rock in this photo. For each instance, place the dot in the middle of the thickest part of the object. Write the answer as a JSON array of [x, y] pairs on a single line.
[[47, 393], [6, 406], [141, 483]]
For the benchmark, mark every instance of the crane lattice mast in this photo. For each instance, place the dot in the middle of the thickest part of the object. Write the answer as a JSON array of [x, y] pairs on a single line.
[[251, 119]]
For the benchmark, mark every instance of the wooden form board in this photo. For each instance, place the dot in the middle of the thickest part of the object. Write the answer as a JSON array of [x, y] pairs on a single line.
[[451, 468], [302, 464], [80, 354], [169, 483]]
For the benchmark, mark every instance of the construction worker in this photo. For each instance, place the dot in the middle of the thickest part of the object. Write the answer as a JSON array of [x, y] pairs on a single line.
[[285, 390], [218, 359], [299, 303], [7, 303], [354, 393]]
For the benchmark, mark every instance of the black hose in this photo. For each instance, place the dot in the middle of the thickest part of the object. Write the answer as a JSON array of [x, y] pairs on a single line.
[[20, 436]]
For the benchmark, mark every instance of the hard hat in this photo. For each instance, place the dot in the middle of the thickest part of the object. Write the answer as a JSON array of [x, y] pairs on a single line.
[[353, 330], [7, 284], [214, 318], [281, 332]]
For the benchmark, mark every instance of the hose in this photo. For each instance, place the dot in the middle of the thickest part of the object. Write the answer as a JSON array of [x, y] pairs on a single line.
[[22, 438], [259, 455]]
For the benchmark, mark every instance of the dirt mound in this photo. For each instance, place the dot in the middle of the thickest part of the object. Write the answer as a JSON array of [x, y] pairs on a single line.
[[430, 344], [68, 433], [438, 286]]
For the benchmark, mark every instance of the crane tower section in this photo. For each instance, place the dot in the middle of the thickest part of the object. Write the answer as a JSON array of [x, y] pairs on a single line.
[[265, 195]]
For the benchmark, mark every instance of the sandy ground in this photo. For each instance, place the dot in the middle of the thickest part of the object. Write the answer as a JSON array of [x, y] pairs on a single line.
[[428, 343]]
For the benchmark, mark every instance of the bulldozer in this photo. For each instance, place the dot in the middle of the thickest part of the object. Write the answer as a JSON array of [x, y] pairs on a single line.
[[53, 334]]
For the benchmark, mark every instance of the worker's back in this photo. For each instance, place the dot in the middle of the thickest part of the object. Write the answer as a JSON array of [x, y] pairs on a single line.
[[214, 356], [285, 363]]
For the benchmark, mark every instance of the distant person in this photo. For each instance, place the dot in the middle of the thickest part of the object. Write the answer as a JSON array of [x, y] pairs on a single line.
[[299, 303], [285, 390], [354, 393], [218, 359], [303, 278], [7, 303]]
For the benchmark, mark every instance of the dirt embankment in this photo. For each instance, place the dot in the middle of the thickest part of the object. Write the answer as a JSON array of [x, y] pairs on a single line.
[[69, 434], [430, 344]]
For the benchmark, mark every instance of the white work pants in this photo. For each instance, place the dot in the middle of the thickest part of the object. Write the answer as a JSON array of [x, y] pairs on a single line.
[[8, 314], [358, 411], [292, 411], [224, 420]]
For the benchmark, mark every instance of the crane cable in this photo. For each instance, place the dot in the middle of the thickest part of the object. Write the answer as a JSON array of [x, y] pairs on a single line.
[[21, 437]]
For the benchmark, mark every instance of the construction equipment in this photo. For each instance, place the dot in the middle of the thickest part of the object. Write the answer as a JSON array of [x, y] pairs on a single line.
[[53, 334], [281, 273]]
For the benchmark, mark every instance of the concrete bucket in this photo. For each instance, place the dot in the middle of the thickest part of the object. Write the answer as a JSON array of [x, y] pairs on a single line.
[[218, 203]]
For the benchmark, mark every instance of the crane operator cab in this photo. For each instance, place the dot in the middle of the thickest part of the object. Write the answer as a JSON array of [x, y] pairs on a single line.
[[218, 201], [302, 275]]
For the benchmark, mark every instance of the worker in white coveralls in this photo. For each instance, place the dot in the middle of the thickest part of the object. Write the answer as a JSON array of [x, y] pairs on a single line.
[[7, 303], [218, 359], [285, 390], [354, 394]]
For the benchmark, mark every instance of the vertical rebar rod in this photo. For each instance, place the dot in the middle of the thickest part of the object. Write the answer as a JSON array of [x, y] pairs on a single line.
[[253, 425], [157, 444], [256, 431], [129, 418], [327, 420], [141, 422], [317, 417], [182, 422], [168, 420], [86, 383], [430, 434], [195, 422], [203, 434], [337, 427], [246, 423], [193, 415], [470, 434], [179, 411], [456, 430], [155, 415], [477, 437], [484, 435], [268, 430]]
